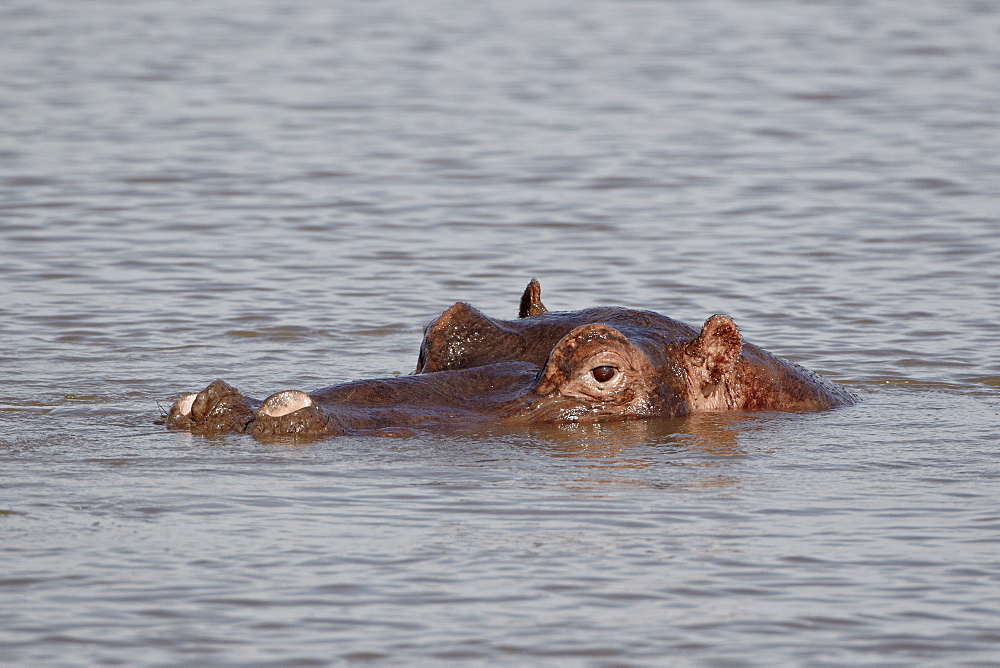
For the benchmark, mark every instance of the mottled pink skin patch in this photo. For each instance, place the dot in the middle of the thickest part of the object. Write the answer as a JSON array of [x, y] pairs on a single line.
[[285, 403], [184, 404]]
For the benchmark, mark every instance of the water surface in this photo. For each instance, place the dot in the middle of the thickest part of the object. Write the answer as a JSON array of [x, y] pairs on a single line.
[[283, 193]]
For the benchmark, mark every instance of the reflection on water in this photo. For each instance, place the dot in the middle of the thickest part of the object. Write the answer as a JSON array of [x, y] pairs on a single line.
[[282, 194], [612, 442], [595, 456]]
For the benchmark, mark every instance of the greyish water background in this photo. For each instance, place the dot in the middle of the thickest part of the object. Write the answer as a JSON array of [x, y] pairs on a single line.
[[282, 193]]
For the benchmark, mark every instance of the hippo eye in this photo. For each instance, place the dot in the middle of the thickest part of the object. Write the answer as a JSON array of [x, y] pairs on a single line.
[[603, 374]]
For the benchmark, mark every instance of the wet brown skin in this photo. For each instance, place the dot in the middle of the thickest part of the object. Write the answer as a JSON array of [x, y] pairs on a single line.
[[581, 366]]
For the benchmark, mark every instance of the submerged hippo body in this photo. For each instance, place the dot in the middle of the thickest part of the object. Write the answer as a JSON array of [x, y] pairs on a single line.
[[579, 366]]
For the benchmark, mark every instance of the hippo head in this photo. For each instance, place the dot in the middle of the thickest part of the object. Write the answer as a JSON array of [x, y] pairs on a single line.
[[590, 365]]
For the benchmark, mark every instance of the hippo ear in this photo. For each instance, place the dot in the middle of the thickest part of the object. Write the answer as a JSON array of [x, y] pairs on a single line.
[[531, 300], [595, 362], [715, 351]]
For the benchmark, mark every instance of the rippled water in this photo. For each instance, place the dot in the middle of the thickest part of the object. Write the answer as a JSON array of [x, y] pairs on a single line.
[[283, 193]]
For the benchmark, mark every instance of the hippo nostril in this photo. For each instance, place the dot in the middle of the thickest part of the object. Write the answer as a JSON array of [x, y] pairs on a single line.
[[284, 403]]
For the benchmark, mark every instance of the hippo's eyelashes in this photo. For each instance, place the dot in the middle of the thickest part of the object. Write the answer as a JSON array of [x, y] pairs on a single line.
[[603, 373]]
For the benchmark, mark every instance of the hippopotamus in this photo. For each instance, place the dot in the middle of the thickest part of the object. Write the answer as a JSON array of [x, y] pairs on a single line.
[[592, 365]]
